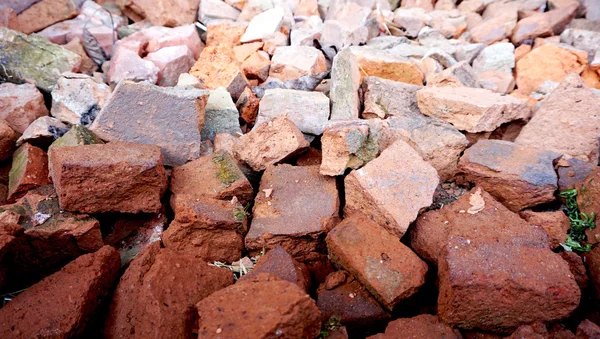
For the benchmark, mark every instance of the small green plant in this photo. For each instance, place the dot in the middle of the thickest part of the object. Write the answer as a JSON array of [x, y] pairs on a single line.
[[333, 324], [580, 222], [226, 172], [240, 213]]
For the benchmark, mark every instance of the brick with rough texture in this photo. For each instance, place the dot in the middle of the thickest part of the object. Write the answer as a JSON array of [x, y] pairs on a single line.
[[392, 189], [63, 304], [114, 177], [387, 268]]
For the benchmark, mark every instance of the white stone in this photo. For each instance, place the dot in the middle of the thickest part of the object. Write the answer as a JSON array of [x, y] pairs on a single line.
[[186, 79], [78, 98], [304, 33], [211, 10], [267, 22], [497, 57]]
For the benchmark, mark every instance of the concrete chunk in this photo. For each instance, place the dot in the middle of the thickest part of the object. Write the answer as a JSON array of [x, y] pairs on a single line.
[[308, 110], [171, 118]]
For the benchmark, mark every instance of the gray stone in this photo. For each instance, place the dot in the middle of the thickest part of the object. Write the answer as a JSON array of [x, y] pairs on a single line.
[[592, 10], [347, 23], [588, 41], [409, 50], [387, 41], [304, 83], [345, 80], [438, 142], [572, 172], [585, 24], [431, 37], [544, 90], [167, 117], [468, 52], [383, 98], [308, 110], [497, 57], [411, 20], [26, 58], [221, 115], [78, 98], [211, 10], [304, 33], [461, 74], [440, 56], [595, 63]]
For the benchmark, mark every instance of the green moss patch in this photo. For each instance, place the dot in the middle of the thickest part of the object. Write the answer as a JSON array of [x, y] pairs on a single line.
[[19, 165]]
